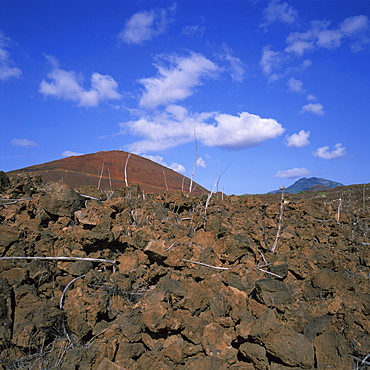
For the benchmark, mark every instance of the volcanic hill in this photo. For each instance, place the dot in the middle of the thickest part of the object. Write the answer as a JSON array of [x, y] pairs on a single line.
[[107, 170]]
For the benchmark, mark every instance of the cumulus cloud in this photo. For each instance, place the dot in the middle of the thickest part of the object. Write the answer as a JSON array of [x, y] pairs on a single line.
[[295, 85], [193, 30], [293, 173], [234, 65], [311, 97], [146, 25], [176, 80], [201, 163], [7, 68], [175, 126], [320, 35], [279, 12], [67, 85], [173, 166], [325, 152], [271, 60], [69, 153], [298, 140], [315, 108], [24, 143]]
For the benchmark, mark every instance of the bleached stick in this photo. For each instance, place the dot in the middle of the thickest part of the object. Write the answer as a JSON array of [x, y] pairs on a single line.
[[65, 289], [280, 220], [165, 180], [87, 196], [61, 259], [195, 162], [128, 157], [268, 272], [101, 175], [12, 201], [339, 209], [204, 264]]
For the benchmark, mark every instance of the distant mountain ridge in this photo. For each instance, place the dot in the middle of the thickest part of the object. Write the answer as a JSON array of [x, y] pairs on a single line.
[[310, 184]]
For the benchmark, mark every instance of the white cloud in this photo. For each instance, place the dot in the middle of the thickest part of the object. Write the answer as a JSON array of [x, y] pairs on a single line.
[[24, 143], [311, 97], [293, 173], [146, 25], [321, 36], [193, 30], [234, 65], [7, 68], [201, 162], [325, 153], [67, 85], [295, 85], [69, 153], [298, 140], [271, 60], [353, 25], [177, 167], [176, 81], [279, 12], [315, 108], [174, 166], [168, 129]]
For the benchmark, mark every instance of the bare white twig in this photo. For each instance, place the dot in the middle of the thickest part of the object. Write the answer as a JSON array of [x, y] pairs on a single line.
[[215, 186], [263, 257], [165, 180], [61, 259], [280, 220], [128, 157], [268, 272], [195, 162], [209, 197], [65, 289], [204, 264], [110, 180], [11, 201], [169, 248], [87, 196], [95, 336], [339, 209], [101, 174], [363, 362], [219, 177]]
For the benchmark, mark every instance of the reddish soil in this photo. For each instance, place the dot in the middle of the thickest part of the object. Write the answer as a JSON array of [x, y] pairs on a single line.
[[107, 170], [183, 285]]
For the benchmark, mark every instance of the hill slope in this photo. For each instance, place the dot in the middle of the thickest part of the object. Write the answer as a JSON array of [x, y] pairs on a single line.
[[107, 170]]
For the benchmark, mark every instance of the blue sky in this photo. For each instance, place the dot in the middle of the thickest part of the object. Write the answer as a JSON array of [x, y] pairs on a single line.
[[271, 90]]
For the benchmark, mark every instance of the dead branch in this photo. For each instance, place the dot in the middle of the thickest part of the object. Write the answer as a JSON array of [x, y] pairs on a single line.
[[65, 290], [280, 220], [204, 264], [268, 272], [61, 259], [12, 201]]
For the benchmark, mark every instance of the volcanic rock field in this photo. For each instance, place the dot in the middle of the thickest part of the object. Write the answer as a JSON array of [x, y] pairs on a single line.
[[121, 279]]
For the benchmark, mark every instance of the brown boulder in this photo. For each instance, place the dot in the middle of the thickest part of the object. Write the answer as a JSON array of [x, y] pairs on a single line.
[[60, 200], [293, 349], [8, 235], [271, 292], [256, 354]]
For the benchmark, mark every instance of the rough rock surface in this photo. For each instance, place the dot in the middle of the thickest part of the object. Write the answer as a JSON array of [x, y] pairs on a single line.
[[163, 282]]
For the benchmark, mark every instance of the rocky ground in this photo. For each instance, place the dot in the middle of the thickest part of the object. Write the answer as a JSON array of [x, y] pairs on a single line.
[[174, 281]]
